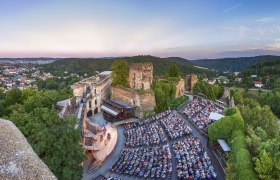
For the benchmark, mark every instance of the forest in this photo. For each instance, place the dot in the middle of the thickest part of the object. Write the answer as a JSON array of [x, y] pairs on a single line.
[[91, 66]]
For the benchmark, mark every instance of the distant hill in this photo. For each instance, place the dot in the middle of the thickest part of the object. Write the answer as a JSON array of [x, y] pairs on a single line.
[[41, 60], [233, 64], [265, 68], [90, 65]]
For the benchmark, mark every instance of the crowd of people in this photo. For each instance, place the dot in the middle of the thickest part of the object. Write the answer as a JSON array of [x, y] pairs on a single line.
[[153, 161], [198, 110], [145, 134], [148, 120], [174, 126], [192, 160]]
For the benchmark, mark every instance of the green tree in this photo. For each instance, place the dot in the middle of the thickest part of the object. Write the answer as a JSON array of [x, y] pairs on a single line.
[[55, 140], [13, 96], [264, 166], [174, 71], [120, 74]]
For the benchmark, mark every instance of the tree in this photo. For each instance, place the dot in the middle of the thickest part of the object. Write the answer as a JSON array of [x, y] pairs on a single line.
[[13, 96], [120, 74], [38, 100], [55, 140], [264, 166], [174, 71], [261, 117]]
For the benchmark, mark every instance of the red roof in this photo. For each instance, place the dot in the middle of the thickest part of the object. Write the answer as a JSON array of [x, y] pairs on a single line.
[[258, 82]]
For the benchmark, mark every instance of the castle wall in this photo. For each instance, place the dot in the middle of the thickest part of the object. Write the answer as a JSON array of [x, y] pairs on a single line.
[[144, 100]]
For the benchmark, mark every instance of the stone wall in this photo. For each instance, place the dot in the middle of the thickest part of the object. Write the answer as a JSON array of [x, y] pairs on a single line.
[[145, 100]]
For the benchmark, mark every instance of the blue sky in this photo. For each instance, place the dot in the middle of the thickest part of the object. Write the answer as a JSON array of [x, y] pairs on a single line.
[[191, 29]]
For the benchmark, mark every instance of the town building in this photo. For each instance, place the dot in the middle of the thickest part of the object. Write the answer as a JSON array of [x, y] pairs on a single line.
[[258, 84]]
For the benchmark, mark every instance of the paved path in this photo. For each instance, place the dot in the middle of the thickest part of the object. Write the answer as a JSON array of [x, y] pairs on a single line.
[[111, 159], [203, 141]]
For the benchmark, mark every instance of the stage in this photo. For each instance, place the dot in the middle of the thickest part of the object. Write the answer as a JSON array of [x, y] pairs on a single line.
[[105, 147]]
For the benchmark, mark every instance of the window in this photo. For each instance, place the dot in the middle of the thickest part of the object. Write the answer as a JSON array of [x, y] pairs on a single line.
[[89, 104]]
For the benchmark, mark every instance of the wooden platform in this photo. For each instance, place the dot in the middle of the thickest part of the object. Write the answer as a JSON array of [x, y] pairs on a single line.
[[103, 148]]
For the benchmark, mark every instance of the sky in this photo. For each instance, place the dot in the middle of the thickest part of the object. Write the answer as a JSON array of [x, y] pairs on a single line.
[[192, 29]]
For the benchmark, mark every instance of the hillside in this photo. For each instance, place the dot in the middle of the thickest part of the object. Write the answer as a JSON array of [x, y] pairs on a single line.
[[233, 64], [271, 68], [90, 65]]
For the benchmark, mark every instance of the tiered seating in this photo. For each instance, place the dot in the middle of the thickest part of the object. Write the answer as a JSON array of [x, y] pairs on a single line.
[[174, 126], [146, 134], [152, 162], [198, 110], [149, 120], [192, 160]]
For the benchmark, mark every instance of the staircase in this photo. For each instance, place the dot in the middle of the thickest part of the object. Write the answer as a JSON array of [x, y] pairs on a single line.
[[94, 166]]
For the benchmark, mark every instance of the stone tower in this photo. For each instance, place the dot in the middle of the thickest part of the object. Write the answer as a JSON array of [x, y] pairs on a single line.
[[140, 76], [190, 81]]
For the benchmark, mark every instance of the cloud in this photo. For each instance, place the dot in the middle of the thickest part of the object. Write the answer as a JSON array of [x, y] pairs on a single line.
[[232, 8], [265, 20]]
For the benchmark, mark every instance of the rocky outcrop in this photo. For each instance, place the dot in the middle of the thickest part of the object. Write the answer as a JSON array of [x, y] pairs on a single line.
[[17, 158]]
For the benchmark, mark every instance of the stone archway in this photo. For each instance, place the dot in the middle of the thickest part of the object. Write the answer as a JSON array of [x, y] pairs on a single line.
[[89, 113]]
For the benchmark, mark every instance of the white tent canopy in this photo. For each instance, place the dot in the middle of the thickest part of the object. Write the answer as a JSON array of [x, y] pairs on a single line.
[[215, 116], [224, 145]]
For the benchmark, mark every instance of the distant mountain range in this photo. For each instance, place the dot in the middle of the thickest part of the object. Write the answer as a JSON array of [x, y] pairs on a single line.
[[264, 68], [161, 65], [233, 64], [90, 65]]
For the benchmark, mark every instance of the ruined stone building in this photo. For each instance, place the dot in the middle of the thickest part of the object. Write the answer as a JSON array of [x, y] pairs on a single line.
[[180, 88], [144, 101], [190, 81], [140, 76], [96, 89]]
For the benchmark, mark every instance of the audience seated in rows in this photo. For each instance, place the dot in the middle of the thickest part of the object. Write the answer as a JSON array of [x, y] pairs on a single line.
[[149, 120], [150, 161], [198, 110], [174, 126], [147, 134], [192, 160]]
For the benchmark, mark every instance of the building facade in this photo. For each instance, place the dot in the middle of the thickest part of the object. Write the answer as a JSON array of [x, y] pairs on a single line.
[[96, 89]]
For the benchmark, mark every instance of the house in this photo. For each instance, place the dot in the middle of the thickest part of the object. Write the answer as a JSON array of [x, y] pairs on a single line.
[[238, 79], [258, 84], [205, 79], [211, 81], [254, 76]]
